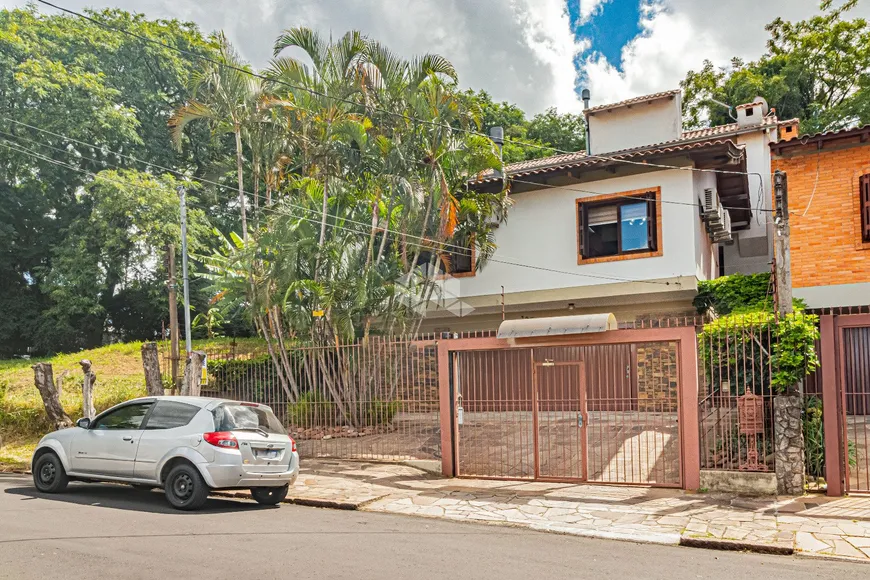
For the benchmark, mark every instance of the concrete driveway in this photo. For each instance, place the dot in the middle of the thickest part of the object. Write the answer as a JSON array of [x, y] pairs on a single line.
[[107, 531]]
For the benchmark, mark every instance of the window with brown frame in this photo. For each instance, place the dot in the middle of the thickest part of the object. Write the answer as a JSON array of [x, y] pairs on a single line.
[[617, 226], [460, 261], [865, 207]]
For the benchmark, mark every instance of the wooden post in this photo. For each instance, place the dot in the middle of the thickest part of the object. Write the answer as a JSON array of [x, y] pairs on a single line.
[[830, 409], [190, 386], [151, 365], [43, 378], [90, 380], [173, 321]]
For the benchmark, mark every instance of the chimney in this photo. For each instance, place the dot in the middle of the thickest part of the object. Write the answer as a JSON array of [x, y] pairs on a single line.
[[749, 114], [497, 136], [788, 130]]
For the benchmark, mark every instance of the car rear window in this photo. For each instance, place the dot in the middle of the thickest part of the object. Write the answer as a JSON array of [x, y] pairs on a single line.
[[237, 417], [171, 414]]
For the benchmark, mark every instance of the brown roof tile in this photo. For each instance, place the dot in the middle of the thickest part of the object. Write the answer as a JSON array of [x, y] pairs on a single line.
[[634, 101]]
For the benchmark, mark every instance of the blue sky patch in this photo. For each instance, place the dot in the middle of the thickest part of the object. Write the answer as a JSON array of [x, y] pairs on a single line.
[[615, 24]]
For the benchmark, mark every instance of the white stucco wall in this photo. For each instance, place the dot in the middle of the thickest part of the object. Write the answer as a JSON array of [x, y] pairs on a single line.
[[706, 252], [642, 124], [541, 230], [757, 163]]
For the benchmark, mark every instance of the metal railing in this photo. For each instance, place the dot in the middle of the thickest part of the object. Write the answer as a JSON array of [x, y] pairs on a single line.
[[736, 397], [376, 399]]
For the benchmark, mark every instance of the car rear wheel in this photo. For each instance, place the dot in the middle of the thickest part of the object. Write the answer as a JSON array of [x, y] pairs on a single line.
[[185, 489], [48, 474], [269, 495]]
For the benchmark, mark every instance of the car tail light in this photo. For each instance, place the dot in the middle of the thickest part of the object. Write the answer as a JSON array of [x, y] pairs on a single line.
[[292, 444], [223, 439]]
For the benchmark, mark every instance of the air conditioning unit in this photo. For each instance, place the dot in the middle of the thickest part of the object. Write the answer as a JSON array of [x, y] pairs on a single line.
[[717, 218]]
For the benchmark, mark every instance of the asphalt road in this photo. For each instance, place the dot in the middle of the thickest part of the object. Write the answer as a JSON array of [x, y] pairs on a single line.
[[107, 531]]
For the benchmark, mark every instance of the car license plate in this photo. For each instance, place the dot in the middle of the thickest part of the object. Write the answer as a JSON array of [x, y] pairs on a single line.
[[267, 453]]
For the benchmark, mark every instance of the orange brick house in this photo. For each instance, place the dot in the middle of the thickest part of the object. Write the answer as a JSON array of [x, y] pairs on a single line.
[[829, 204]]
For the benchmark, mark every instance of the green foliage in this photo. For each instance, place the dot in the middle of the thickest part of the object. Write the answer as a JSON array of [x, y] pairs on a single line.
[[814, 437], [737, 293], [816, 69], [312, 409], [794, 350], [246, 378], [565, 132], [757, 349], [72, 271]]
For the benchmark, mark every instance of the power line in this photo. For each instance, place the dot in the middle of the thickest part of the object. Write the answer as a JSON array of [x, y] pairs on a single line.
[[421, 244], [202, 180], [375, 108]]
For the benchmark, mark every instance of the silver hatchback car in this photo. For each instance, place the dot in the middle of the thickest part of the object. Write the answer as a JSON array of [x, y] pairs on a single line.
[[189, 446]]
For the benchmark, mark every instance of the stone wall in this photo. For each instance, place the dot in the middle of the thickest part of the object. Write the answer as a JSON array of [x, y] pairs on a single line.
[[657, 377]]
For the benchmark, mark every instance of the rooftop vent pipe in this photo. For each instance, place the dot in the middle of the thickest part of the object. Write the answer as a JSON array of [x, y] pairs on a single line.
[[586, 96]]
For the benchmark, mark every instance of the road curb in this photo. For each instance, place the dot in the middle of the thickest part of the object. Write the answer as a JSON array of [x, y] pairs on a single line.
[[735, 546], [663, 539], [335, 504]]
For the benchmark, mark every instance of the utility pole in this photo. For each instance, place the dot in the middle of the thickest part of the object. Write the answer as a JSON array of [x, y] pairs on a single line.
[[184, 275], [782, 245], [173, 319]]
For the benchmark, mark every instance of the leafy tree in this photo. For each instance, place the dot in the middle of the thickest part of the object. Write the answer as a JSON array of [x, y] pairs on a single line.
[[77, 79], [816, 69]]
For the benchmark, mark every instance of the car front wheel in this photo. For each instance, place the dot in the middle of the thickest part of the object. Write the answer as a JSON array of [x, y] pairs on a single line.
[[48, 473], [269, 495], [185, 488]]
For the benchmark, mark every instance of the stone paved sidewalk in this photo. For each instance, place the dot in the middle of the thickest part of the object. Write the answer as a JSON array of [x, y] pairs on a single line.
[[811, 525]]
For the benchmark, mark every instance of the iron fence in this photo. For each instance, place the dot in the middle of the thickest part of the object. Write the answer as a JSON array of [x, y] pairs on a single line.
[[373, 399], [736, 397]]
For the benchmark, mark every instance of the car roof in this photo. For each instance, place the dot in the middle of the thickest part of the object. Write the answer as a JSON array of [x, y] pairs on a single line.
[[197, 401]]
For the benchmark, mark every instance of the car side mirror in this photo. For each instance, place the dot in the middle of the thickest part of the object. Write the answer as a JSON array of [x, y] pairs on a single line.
[[84, 423]]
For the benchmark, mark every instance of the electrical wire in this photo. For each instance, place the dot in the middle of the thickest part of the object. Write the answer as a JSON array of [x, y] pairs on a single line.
[[385, 111], [422, 241], [202, 180]]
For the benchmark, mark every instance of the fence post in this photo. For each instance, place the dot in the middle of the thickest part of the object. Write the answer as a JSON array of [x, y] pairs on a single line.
[[90, 379], [446, 409], [690, 431], [190, 387], [43, 378], [830, 408], [151, 366]]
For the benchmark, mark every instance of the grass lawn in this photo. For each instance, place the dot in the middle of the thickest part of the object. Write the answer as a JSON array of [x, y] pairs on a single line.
[[119, 377]]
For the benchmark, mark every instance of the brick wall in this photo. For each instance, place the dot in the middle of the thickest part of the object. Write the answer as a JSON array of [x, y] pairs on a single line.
[[826, 246], [657, 373]]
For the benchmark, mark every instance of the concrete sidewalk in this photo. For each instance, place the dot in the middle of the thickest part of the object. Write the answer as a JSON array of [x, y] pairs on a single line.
[[810, 525]]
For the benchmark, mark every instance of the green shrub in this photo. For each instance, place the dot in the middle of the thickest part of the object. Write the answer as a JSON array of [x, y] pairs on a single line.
[[760, 350], [734, 293], [814, 437], [313, 410]]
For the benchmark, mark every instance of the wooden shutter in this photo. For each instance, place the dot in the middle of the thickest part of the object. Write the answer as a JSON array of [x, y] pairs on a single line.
[[865, 207]]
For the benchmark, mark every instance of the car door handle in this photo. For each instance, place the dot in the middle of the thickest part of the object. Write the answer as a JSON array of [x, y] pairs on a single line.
[[127, 438]]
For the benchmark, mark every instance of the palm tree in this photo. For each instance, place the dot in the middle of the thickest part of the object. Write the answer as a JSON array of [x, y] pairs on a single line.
[[226, 95]]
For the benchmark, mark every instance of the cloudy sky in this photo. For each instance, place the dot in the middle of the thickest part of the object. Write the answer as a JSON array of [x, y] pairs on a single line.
[[536, 53]]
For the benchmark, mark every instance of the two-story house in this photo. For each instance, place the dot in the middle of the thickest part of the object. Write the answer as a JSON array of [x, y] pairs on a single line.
[[628, 227]]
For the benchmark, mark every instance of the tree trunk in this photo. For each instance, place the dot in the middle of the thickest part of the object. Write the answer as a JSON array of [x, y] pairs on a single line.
[[43, 377], [322, 240], [90, 380], [151, 365], [241, 175], [190, 387]]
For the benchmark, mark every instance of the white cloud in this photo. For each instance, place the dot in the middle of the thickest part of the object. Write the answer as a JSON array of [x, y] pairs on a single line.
[[678, 35], [518, 50], [589, 8]]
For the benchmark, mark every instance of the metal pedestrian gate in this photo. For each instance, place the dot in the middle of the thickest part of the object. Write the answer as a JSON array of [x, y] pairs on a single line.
[[598, 413], [854, 347]]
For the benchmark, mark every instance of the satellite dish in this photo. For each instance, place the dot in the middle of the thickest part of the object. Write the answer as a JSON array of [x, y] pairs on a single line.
[[764, 107]]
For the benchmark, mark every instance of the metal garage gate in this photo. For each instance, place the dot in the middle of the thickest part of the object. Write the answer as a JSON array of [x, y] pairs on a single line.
[[602, 413]]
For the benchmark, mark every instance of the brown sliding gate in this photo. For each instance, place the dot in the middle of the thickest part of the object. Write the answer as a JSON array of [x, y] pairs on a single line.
[[601, 413]]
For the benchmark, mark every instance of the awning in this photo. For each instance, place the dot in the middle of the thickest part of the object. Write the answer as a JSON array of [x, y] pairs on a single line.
[[557, 325]]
